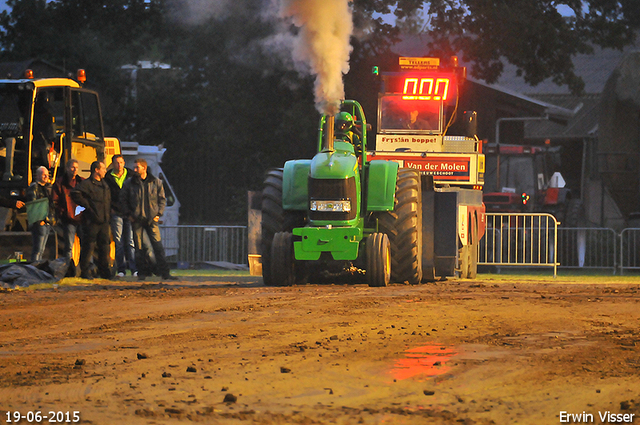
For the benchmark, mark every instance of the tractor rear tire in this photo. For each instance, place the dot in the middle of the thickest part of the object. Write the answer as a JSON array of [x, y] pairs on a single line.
[[403, 226], [275, 219], [378, 260], [283, 267], [272, 218]]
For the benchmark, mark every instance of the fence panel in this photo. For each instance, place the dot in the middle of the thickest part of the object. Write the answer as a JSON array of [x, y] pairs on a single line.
[[526, 240], [630, 249], [197, 244], [587, 247]]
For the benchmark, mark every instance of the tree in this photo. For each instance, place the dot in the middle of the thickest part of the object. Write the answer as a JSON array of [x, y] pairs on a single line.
[[229, 109], [226, 113], [531, 34]]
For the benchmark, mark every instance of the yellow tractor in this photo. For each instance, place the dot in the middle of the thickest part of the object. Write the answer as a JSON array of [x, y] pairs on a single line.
[[45, 122]]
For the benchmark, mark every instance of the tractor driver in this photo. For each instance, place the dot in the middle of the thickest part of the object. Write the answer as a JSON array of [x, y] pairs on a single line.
[[43, 130], [347, 130]]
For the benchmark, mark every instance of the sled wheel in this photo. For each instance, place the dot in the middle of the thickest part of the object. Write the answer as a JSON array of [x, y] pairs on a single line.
[[472, 271]]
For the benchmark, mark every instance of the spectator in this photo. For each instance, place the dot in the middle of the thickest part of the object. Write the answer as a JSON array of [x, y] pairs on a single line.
[[14, 204], [143, 201], [66, 207], [11, 203], [40, 229], [120, 226], [94, 196]]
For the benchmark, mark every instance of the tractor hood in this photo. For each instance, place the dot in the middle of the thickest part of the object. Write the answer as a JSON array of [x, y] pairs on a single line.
[[338, 164]]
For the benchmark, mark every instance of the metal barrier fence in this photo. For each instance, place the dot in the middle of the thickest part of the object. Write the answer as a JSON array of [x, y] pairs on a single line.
[[519, 240], [587, 247], [198, 244], [525, 240], [629, 249]]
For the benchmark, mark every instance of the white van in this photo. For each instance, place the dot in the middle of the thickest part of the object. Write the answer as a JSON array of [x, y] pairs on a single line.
[[153, 156]]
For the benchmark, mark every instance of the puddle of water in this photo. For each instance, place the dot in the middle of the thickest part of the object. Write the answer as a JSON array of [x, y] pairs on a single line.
[[423, 362]]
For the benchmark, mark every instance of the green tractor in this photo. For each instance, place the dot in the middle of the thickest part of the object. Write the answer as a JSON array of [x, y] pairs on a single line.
[[341, 210], [409, 211]]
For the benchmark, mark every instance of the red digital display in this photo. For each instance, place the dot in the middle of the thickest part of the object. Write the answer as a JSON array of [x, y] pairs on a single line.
[[425, 88], [431, 86]]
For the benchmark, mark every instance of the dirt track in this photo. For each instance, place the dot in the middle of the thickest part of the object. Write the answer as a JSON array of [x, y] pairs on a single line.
[[471, 352]]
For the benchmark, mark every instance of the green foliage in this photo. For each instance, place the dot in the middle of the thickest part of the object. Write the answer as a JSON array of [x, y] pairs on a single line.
[[531, 34], [228, 109]]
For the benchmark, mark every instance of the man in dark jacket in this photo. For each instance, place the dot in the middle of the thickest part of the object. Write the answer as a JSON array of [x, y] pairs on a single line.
[[39, 189], [94, 196], [120, 225], [11, 203], [143, 201], [65, 206]]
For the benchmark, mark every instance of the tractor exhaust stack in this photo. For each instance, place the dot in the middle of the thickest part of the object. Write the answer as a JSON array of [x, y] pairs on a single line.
[[329, 133]]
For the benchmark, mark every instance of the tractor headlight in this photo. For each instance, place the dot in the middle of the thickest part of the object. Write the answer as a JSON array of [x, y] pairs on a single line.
[[330, 206]]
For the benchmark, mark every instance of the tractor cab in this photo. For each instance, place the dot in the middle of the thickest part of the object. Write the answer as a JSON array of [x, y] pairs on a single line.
[[46, 122]]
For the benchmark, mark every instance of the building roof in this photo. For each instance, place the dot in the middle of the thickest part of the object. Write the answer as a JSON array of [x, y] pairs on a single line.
[[557, 112], [41, 69], [584, 122], [594, 68]]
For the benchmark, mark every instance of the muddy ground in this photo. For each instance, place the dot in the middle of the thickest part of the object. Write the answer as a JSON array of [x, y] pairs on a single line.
[[231, 351]]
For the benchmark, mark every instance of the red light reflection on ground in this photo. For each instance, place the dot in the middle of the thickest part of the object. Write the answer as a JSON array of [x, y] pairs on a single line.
[[426, 361]]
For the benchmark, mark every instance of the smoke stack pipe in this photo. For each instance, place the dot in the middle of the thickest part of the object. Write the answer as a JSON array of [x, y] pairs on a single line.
[[329, 133]]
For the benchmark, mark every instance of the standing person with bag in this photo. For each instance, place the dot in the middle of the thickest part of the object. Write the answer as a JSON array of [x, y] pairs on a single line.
[[66, 207], [120, 225], [94, 195], [143, 202], [41, 226]]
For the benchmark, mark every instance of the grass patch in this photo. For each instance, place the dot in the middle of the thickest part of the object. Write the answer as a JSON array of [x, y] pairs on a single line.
[[210, 272], [587, 276]]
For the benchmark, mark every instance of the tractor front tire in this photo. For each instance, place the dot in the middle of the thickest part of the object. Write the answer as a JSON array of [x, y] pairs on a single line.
[[283, 267], [378, 260], [403, 226]]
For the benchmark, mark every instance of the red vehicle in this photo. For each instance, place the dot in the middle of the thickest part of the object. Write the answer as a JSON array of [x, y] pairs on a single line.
[[529, 182]]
